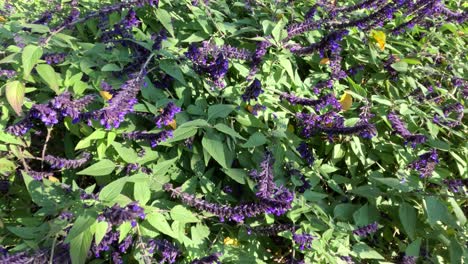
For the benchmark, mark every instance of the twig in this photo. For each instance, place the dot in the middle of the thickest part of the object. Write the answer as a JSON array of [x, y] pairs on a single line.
[[44, 148], [51, 259]]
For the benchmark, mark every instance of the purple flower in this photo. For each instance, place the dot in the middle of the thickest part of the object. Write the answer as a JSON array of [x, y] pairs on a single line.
[[215, 67], [271, 230], [116, 215], [165, 248], [457, 109], [405, 259], [46, 114], [154, 138], [366, 230], [125, 244], [400, 128], [347, 259], [158, 39], [167, 115], [20, 128], [305, 152], [257, 57], [67, 216], [54, 58], [319, 104], [425, 164], [8, 73], [61, 163], [253, 91], [266, 185], [211, 259], [303, 240], [456, 185], [130, 19]]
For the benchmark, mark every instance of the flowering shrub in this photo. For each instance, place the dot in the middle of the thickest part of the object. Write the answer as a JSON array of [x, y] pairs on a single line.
[[233, 131]]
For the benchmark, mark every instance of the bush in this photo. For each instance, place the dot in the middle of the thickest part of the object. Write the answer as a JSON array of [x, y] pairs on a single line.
[[233, 132]]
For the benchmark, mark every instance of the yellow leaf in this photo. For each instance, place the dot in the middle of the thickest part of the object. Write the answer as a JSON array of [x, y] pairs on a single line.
[[380, 38], [106, 95], [346, 101], [231, 241], [324, 61], [249, 108], [173, 124], [2, 19], [291, 128]]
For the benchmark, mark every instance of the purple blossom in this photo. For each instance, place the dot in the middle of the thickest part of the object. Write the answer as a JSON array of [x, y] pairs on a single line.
[[347, 259], [54, 58], [61, 255], [67, 216], [366, 230], [319, 104], [20, 128], [126, 243], [116, 215], [305, 152], [130, 19], [253, 91], [215, 67], [61, 163], [266, 185], [166, 249], [456, 185], [400, 128], [154, 138], [167, 115], [158, 39], [329, 41], [271, 230], [303, 240], [457, 109], [405, 259], [8, 73], [425, 164], [257, 57], [46, 114], [211, 259], [106, 243]]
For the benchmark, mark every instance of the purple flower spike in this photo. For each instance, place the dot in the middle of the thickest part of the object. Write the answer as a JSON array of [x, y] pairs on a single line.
[[303, 240], [366, 230], [253, 91], [167, 115], [61, 163], [400, 128], [211, 259], [425, 164], [305, 152], [154, 138], [164, 248]]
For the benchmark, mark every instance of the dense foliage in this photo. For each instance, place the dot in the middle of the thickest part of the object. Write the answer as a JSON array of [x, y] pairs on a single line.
[[257, 131]]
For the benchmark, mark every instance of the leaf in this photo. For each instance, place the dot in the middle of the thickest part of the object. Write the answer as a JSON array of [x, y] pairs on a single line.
[[346, 101], [182, 133], [86, 142], [31, 55], [15, 95], [49, 75], [227, 130], [413, 248], [437, 211], [408, 217], [220, 110], [183, 215], [365, 252], [166, 20], [217, 149], [257, 139], [81, 224], [161, 168], [170, 67], [400, 66], [286, 63], [79, 247], [101, 231], [158, 221], [110, 67], [239, 175], [127, 154], [380, 38], [113, 189], [101, 168], [141, 192]]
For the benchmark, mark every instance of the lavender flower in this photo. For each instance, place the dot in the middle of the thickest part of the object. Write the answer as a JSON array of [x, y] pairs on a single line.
[[61, 255], [125, 244], [130, 19], [253, 91], [305, 152], [366, 230], [67, 216], [8, 73], [266, 185], [116, 215], [61, 163], [305, 183], [456, 185], [405, 259], [166, 249], [20, 128], [425, 164], [46, 114], [329, 41], [211, 259], [167, 115], [154, 138], [303, 240], [54, 58], [271, 230], [109, 238], [347, 259], [457, 109], [319, 104], [158, 39], [257, 57], [400, 128], [215, 67]]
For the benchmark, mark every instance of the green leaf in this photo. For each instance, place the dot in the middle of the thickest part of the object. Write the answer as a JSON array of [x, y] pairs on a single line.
[[86, 142], [101, 231], [15, 95], [220, 110], [127, 154], [79, 247], [408, 217], [217, 149], [257, 139], [158, 221], [110, 67], [183, 215], [239, 175], [286, 63], [113, 189], [162, 167], [413, 248], [141, 192], [102, 168], [365, 252], [437, 211], [81, 224], [166, 20], [170, 67], [31, 55], [227, 130], [400, 66], [49, 75]]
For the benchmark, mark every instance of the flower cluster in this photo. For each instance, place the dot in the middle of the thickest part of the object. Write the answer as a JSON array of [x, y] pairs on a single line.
[[400, 128], [61, 255], [54, 58], [116, 215], [425, 164], [457, 109], [154, 138], [303, 240], [215, 67], [61, 163], [166, 249], [8, 73], [211, 259], [456, 185], [319, 104], [366, 230], [305, 152], [253, 91], [167, 115]]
